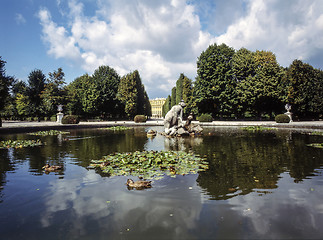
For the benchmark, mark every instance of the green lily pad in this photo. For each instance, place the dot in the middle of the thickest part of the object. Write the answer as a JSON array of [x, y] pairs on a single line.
[[48, 133], [19, 143], [150, 164], [316, 145], [317, 133], [257, 128], [117, 128]]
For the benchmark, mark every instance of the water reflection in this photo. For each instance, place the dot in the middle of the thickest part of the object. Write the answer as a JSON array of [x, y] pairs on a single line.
[[241, 163], [259, 185], [182, 143]]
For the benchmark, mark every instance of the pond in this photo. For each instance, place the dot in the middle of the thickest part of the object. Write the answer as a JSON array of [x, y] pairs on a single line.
[[260, 184]]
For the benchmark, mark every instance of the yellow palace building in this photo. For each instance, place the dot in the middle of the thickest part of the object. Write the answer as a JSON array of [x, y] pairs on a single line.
[[157, 107]]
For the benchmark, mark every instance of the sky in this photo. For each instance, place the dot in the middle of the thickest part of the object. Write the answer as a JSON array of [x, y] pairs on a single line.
[[159, 38]]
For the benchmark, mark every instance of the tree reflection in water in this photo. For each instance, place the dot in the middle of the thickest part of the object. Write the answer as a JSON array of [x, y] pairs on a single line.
[[251, 189]]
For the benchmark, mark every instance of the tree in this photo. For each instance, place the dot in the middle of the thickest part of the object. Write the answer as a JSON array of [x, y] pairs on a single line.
[[22, 105], [267, 84], [215, 84], [10, 110], [305, 89], [132, 94], [259, 82], [75, 93], [107, 81], [243, 66], [128, 94], [95, 95], [36, 84], [179, 88], [167, 106], [5, 83], [53, 94], [173, 97]]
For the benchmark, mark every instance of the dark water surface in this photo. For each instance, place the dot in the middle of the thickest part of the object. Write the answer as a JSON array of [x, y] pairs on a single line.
[[260, 185]]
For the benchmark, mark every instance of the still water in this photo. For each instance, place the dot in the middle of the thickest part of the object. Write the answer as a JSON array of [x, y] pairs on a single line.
[[260, 185]]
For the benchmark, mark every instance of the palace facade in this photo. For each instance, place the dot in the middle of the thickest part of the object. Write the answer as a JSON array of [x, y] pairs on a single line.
[[157, 107]]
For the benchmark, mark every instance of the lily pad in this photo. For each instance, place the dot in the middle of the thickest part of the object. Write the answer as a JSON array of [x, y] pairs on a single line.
[[257, 128], [317, 133], [117, 128], [20, 143], [316, 145], [150, 164], [48, 133]]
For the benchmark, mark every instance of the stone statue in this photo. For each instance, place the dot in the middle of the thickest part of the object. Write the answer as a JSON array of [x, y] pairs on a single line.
[[288, 107], [174, 125], [174, 118]]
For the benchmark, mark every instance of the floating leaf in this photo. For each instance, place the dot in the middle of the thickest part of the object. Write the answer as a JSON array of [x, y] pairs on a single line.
[[317, 133], [48, 133], [316, 145], [150, 164], [117, 128], [19, 143], [257, 128]]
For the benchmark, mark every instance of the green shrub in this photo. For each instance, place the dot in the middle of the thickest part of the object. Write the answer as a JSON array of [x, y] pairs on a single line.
[[140, 118], [70, 119], [282, 118], [205, 117], [0, 122], [53, 118]]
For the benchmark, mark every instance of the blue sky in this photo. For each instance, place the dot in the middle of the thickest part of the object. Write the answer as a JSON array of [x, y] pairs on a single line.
[[160, 38]]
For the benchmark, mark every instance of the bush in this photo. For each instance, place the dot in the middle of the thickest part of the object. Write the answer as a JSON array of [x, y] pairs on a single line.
[[0, 122], [53, 118], [282, 118], [70, 119], [140, 118], [205, 117]]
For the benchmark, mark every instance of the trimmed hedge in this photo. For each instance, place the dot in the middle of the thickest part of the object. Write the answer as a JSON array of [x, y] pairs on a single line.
[[205, 117], [70, 119], [282, 118], [53, 118], [140, 118]]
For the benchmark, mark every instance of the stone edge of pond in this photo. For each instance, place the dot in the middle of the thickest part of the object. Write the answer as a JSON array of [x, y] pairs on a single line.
[[24, 127]]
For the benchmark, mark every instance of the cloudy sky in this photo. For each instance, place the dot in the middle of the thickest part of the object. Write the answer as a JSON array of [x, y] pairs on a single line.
[[160, 38]]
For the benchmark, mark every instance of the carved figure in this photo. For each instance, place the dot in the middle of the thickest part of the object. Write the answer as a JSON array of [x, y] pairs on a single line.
[[174, 125], [174, 118], [288, 107]]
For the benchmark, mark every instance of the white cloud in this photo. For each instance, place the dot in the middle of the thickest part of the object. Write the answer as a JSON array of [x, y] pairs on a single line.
[[291, 29], [60, 45], [164, 38], [20, 20], [159, 38]]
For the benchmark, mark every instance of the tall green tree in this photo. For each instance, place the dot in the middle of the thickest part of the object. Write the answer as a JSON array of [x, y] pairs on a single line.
[[266, 86], [22, 104], [132, 94], [215, 83], [179, 88], [173, 97], [167, 105], [18, 88], [54, 93], [244, 70], [36, 84], [305, 89], [75, 92], [128, 94], [107, 81], [5, 84]]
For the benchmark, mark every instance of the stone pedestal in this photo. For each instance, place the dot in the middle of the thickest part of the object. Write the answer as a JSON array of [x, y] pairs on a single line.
[[60, 117]]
